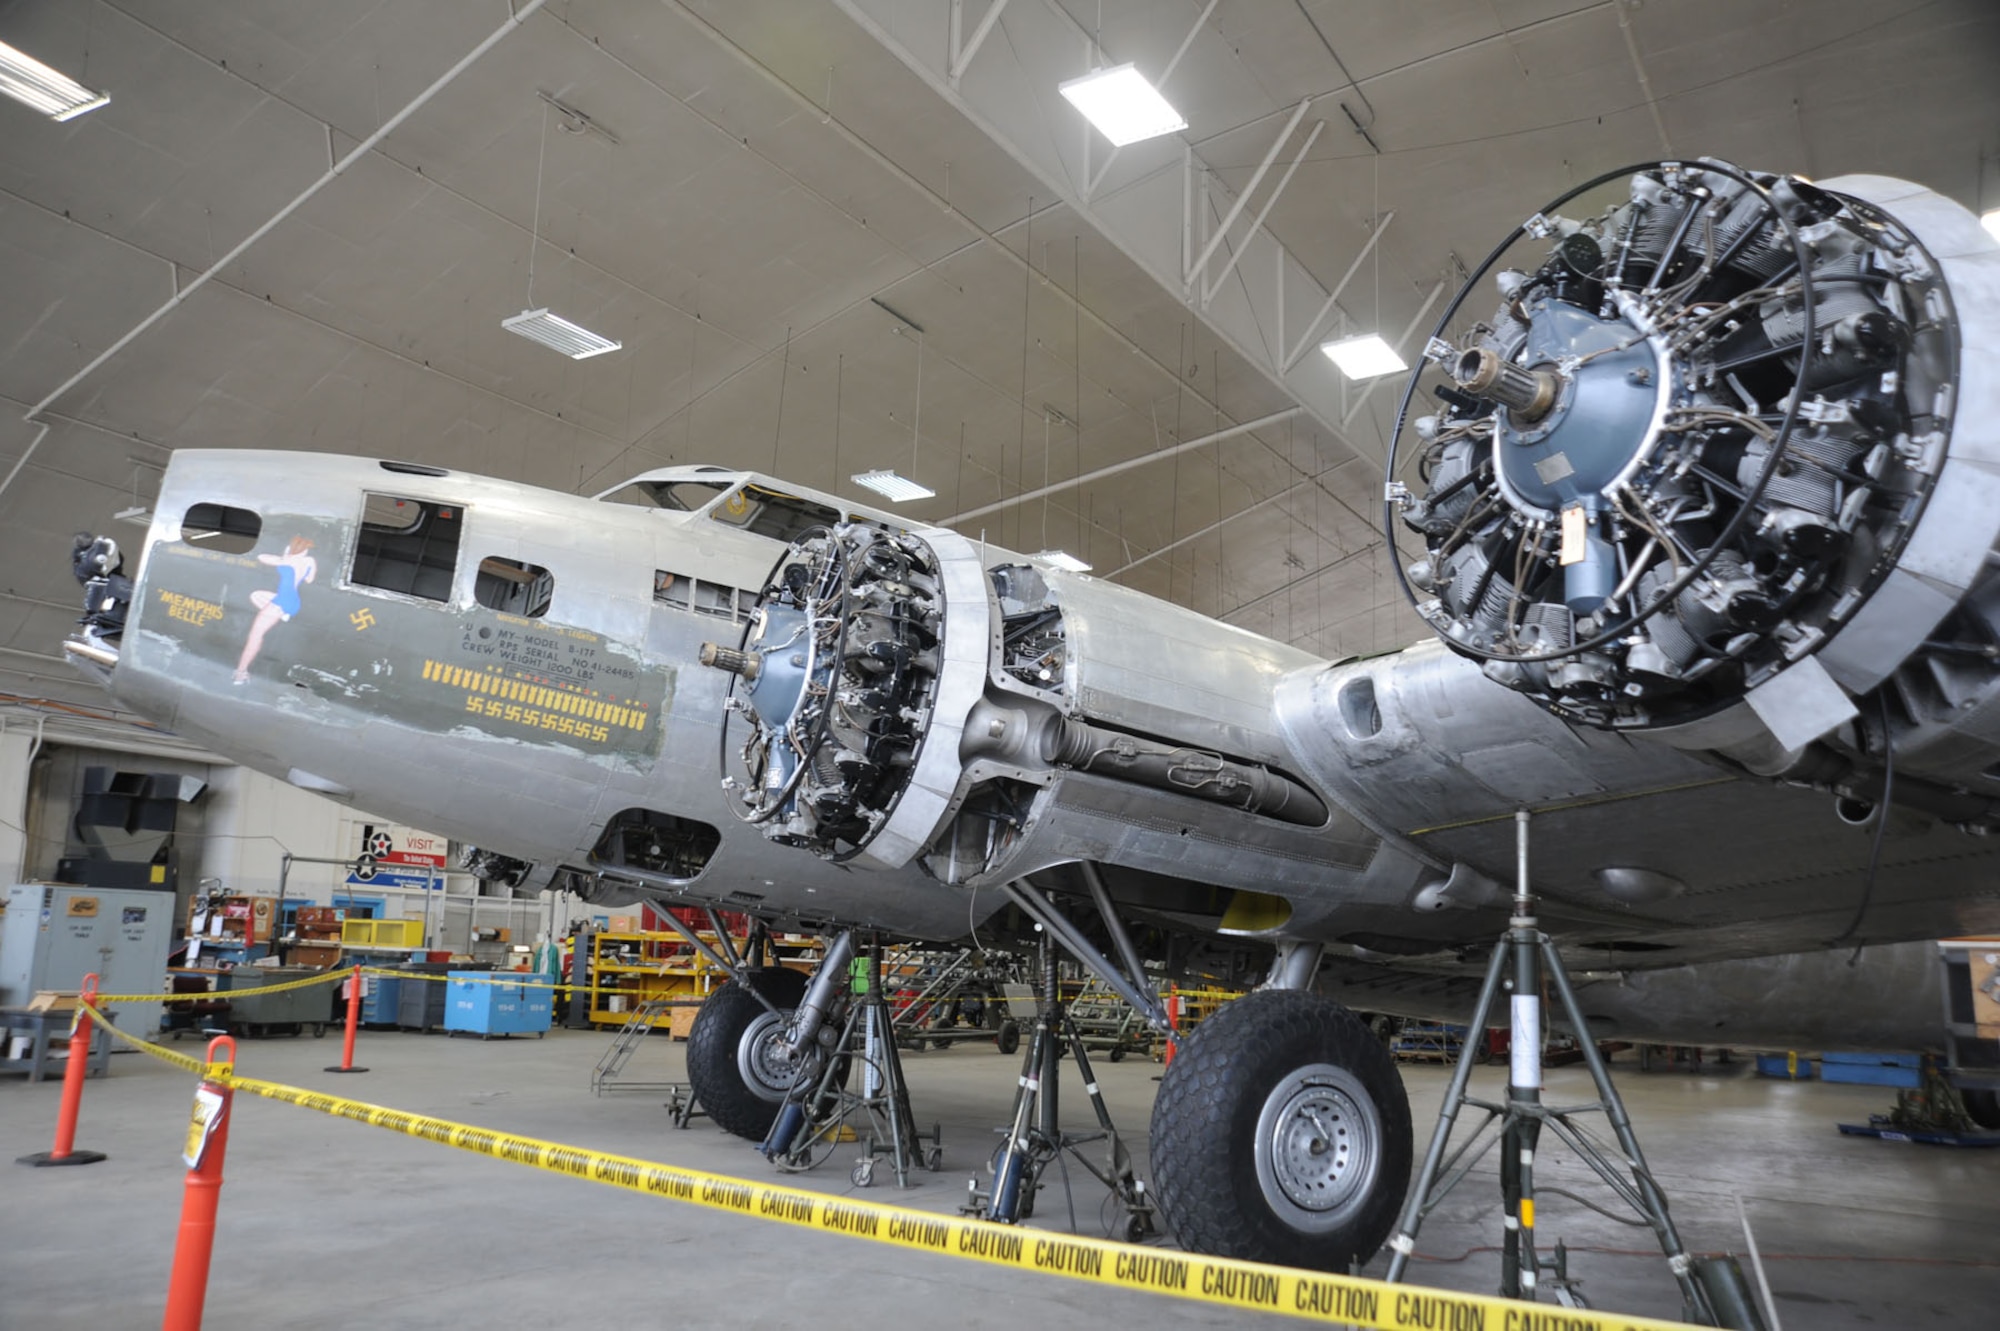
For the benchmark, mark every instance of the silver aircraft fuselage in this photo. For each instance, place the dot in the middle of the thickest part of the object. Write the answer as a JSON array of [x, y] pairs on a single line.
[[515, 733]]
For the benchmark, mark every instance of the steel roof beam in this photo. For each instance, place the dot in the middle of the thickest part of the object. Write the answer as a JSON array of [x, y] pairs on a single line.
[[1140, 215]]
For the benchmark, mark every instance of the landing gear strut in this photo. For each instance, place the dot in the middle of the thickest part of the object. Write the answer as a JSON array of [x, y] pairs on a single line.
[[1035, 1138], [820, 1111]]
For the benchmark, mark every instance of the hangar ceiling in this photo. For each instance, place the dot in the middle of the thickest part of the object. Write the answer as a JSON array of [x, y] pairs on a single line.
[[827, 250]]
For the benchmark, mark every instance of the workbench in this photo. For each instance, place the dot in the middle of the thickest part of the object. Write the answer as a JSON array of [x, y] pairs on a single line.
[[42, 1030]]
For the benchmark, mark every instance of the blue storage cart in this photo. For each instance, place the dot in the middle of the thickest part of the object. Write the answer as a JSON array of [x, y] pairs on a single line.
[[1899, 1070], [378, 1000], [488, 1003]]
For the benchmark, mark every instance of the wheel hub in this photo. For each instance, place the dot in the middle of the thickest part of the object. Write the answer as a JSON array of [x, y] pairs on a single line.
[[1318, 1146], [764, 1059]]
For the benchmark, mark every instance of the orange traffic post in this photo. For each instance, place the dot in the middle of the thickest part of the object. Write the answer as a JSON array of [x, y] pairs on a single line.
[[207, 1143], [64, 1151], [353, 1024], [1173, 1025]]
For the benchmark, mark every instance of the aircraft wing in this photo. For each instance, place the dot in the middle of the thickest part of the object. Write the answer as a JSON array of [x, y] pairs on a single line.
[[1710, 564]]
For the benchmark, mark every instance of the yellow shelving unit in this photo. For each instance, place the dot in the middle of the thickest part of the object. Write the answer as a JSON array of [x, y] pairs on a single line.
[[638, 967], [382, 933], [629, 970]]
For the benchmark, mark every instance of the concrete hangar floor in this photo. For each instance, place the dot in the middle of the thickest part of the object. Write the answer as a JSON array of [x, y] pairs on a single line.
[[331, 1224]]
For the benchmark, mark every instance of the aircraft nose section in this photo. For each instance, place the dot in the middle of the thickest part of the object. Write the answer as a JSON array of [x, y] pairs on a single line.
[[107, 597]]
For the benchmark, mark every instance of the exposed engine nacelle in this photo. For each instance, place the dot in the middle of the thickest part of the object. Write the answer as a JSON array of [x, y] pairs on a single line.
[[1730, 440], [903, 700]]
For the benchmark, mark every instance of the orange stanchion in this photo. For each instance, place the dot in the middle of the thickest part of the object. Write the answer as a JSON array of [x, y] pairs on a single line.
[[353, 1024], [1173, 1026], [207, 1143], [64, 1151]]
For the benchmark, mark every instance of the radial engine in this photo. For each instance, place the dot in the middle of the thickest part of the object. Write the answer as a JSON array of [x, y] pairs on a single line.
[[1731, 438], [895, 699]]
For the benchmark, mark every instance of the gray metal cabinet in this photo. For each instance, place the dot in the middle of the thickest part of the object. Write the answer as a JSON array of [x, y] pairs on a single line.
[[56, 933]]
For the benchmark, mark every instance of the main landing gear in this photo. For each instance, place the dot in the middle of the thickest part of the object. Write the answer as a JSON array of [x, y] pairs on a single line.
[[1282, 1134], [735, 1065], [1281, 1131]]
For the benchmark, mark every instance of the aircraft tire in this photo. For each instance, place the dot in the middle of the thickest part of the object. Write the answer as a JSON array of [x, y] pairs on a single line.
[[1983, 1108], [1241, 1167], [715, 1073]]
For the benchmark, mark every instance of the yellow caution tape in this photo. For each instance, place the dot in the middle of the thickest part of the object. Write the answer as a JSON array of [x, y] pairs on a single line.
[[185, 1062], [1256, 1286], [480, 977], [1238, 1284], [326, 977], [500, 978]]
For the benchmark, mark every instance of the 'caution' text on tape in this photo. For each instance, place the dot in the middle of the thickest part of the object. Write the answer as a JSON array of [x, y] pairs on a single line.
[[1348, 1300]]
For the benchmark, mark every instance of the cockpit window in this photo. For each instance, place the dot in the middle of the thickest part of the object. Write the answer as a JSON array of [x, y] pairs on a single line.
[[219, 527], [781, 517], [675, 496], [408, 546]]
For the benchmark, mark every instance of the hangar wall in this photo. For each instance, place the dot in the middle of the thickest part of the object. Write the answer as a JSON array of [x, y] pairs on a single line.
[[237, 832]]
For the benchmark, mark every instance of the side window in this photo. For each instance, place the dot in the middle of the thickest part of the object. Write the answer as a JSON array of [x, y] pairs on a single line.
[[672, 588], [233, 531], [769, 513], [704, 598], [712, 598], [513, 588], [408, 546]]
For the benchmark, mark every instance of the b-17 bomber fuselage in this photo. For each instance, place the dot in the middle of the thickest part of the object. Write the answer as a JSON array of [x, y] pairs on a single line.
[[1708, 544]]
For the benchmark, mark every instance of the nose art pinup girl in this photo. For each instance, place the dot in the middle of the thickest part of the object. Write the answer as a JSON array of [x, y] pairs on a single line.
[[295, 566]]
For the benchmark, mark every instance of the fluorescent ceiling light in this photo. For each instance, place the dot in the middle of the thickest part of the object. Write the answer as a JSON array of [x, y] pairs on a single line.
[[29, 81], [897, 488], [1363, 357], [1991, 221], [1124, 107], [552, 330], [1062, 559]]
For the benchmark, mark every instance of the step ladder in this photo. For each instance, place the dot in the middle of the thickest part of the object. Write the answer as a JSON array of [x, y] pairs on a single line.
[[608, 1074], [623, 1045]]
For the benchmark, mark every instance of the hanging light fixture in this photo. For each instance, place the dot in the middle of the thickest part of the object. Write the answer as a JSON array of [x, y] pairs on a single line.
[[32, 83], [539, 324], [552, 330], [1367, 356], [897, 489], [1364, 357], [1123, 105], [884, 481]]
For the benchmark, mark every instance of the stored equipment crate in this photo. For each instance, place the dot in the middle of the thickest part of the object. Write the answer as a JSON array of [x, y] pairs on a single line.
[[499, 1003]]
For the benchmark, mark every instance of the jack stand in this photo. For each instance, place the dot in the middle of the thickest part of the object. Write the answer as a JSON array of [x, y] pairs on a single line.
[[682, 1104], [1526, 957], [1036, 1138], [878, 1115]]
